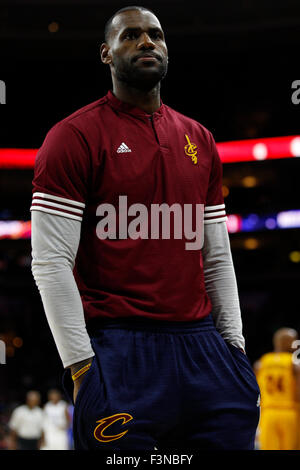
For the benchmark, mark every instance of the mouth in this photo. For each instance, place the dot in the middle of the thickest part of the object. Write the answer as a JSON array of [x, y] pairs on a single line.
[[147, 58]]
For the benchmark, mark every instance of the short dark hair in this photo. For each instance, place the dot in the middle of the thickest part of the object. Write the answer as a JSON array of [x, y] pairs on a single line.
[[107, 27]]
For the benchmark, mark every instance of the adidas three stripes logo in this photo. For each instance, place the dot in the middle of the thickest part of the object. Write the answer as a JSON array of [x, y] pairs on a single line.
[[123, 148]]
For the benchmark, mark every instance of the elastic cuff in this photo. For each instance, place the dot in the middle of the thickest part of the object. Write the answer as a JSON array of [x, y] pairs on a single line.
[[70, 362]]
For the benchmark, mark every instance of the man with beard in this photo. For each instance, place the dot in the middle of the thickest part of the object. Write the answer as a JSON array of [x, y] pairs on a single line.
[[150, 330]]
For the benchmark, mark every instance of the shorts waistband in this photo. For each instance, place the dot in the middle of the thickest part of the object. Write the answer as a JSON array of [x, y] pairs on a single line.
[[149, 324]]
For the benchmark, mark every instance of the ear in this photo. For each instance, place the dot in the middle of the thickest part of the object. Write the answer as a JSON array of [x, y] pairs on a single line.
[[104, 53]]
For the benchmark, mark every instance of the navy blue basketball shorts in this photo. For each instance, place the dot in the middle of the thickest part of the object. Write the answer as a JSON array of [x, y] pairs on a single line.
[[165, 385]]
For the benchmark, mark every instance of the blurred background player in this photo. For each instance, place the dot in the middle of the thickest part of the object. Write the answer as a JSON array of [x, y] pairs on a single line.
[[278, 377], [26, 424], [70, 427], [56, 422]]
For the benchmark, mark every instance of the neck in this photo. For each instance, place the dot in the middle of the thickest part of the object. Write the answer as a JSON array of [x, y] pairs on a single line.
[[148, 101]]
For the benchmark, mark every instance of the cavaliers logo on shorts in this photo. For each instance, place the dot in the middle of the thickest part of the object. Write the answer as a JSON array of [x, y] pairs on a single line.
[[104, 423]]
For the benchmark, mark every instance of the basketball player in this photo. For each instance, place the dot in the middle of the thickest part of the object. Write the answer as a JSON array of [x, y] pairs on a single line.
[[56, 421], [26, 424], [279, 380], [149, 327]]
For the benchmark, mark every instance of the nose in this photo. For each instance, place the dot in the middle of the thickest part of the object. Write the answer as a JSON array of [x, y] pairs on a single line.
[[145, 42]]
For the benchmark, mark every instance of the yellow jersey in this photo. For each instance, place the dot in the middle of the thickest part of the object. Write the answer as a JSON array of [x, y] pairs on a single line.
[[276, 381]]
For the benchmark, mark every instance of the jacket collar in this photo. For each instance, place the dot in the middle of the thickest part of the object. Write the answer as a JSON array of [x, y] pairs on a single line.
[[129, 109]]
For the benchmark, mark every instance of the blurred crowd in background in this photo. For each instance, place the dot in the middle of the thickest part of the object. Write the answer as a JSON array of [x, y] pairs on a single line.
[[33, 425]]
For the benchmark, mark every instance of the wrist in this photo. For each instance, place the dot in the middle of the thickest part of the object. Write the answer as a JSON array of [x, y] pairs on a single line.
[[74, 368]]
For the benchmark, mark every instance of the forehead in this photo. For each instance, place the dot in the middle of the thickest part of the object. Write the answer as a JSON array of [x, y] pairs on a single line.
[[32, 396], [134, 19]]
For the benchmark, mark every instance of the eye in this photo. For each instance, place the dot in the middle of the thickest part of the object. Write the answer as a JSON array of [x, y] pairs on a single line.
[[130, 35], [156, 35]]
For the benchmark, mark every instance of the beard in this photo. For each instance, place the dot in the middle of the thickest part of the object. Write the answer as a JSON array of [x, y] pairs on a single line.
[[143, 78]]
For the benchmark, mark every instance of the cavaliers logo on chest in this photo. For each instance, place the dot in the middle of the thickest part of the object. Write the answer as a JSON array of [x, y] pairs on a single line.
[[191, 150]]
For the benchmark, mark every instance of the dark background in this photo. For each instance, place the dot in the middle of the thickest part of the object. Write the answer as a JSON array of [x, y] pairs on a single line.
[[231, 66]]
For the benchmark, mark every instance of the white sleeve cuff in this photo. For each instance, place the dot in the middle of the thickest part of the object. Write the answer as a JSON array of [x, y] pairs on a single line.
[[214, 214]]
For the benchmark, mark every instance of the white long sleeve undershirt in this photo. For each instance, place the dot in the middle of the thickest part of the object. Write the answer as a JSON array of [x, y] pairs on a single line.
[[55, 241], [220, 283]]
